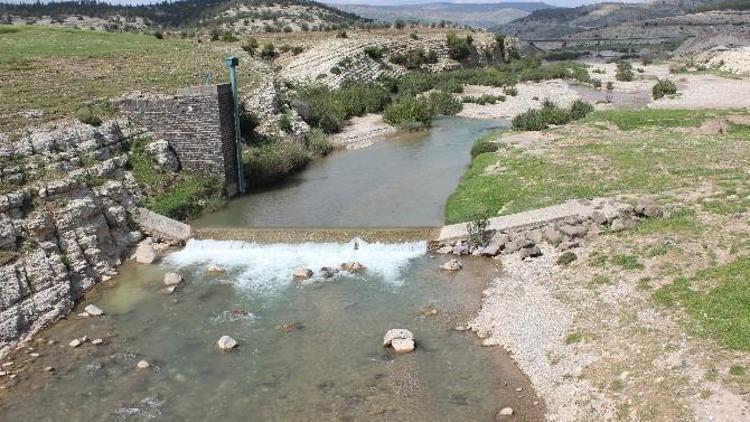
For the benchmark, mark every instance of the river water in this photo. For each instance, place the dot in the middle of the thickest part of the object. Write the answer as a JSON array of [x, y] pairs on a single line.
[[309, 351]]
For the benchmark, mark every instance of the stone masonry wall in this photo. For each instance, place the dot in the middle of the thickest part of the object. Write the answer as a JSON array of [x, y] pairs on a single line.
[[66, 204], [198, 123]]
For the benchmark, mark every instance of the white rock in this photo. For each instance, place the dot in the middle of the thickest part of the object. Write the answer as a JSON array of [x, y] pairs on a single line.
[[452, 265], [145, 254], [143, 365], [401, 339], [93, 310], [226, 343], [168, 290], [214, 269], [171, 279], [402, 345], [302, 273], [505, 411], [97, 341], [75, 343], [353, 267], [49, 369]]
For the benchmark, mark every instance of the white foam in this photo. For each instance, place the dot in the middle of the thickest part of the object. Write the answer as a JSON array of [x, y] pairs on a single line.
[[264, 267]]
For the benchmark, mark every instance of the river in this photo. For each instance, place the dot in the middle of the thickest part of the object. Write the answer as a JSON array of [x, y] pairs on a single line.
[[307, 351]]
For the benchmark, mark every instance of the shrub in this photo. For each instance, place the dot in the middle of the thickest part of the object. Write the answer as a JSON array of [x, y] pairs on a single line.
[[596, 83], [95, 112], [484, 145], [328, 110], [663, 87], [444, 103], [272, 161], [228, 36], [483, 99], [579, 109], [459, 48], [342, 34], [268, 52], [251, 46], [566, 258], [375, 53], [409, 112], [414, 58], [624, 71], [318, 143], [510, 91]]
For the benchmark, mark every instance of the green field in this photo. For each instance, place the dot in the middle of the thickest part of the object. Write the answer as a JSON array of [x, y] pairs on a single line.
[[56, 70], [654, 152]]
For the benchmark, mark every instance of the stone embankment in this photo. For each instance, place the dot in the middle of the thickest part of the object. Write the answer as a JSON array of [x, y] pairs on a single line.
[[69, 215], [65, 221], [561, 226]]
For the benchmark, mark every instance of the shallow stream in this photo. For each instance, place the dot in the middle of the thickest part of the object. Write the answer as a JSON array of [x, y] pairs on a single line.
[[308, 351]]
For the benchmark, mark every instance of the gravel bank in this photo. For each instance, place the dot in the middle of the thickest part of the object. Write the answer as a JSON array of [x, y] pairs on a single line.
[[521, 313], [530, 95], [362, 132]]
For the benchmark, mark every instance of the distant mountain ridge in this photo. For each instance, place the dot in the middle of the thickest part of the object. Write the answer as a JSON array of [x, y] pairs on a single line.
[[480, 15]]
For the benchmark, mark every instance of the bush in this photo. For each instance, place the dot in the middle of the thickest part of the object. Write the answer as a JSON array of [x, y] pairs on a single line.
[[414, 58], [318, 143], [251, 46], [624, 71], [566, 258], [663, 87], [484, 99], [510, 91], [580, 109], [95, 112], [444, 103], [550, 114], [459, 48], [268, 52], [409, 112], [272, 161], [328, 110], [375, 53], [484, 145]]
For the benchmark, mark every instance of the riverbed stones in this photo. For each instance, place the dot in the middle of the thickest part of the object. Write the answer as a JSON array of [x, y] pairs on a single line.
[[573, 230], [302, 273], [145, 254], [172, 279], [647, 207], [226, 343], [93, 310], [142, 364], [328, 272], [461, 248], [622, 223], [453, 265], [288, 327], [531, 252], [505, 412], [552, 236], [353, 267], [400, 339], [214, 269]]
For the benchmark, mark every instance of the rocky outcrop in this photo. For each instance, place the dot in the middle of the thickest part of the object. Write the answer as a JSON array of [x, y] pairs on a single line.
[[65, 221]]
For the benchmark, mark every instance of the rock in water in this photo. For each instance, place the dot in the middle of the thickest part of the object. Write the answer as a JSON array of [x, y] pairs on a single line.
[[143, 365], [171, 279], [75, 343], [145, 254], [505, 411], [214, 269], [93, 310], [302, 273], [401, 339], [353, 267], [226, 343], [452, 265]]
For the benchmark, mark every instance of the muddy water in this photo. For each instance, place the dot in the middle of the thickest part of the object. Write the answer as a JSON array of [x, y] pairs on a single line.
[[330, 366], [402, 182]]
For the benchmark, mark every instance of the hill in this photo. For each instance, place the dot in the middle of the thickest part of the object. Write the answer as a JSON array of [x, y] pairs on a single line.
[[238, 16], [480, 15]]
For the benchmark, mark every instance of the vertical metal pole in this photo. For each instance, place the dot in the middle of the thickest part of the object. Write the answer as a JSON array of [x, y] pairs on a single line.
[[232, 63]]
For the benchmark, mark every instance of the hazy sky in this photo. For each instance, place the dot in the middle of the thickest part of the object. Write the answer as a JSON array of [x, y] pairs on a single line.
[[566, 3]]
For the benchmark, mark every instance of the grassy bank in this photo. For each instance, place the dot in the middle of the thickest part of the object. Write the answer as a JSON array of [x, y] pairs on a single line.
[[653, 151], [57, 71]]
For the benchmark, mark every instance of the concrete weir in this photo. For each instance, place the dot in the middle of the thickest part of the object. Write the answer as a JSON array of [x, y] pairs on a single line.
[[574, 208], [319, 235]]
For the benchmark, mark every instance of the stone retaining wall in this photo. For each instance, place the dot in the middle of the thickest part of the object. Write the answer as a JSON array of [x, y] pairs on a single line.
[[198, 123]]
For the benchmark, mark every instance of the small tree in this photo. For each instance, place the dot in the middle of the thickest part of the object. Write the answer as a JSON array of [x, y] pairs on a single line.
[[268, 52], [663, 87]]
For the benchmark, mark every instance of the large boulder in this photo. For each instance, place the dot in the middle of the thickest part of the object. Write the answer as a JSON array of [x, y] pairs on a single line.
[[302, 273], [226, 343], [452, 265], [163, 155], [172, 279], [145, 254]]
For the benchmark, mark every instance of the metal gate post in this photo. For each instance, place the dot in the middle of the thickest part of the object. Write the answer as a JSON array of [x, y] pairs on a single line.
[[232, 63]]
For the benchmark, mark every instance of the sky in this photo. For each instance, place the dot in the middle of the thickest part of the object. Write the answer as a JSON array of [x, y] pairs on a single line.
[[562, 3]]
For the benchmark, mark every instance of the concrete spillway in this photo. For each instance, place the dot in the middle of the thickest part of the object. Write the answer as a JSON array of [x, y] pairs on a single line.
[[318, 235]]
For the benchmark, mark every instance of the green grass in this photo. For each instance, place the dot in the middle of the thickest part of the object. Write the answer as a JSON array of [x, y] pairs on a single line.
[[645, 161], [627, 262], [59, 70], [574, 337], [651, 118], [717, 301], [181, 196]]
